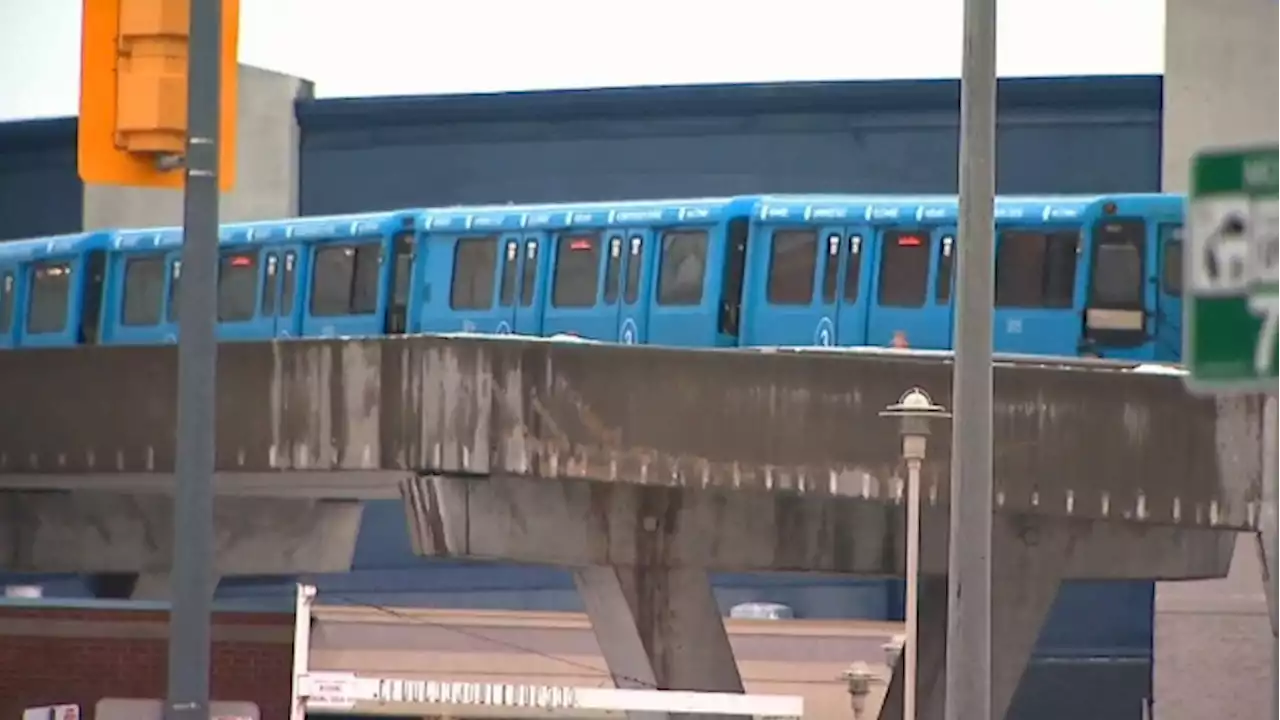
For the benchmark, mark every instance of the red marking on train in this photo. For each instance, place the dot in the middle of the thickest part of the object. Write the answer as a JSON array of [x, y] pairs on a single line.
[[241, 261], [909, 241], [580, 245]]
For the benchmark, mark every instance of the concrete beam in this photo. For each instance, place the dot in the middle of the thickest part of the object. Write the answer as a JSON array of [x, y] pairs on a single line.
[[97, 532], [579, 523], [1089, 440]]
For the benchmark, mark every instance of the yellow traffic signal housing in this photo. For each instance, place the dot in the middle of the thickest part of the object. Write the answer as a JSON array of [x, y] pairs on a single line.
[[133, 92]]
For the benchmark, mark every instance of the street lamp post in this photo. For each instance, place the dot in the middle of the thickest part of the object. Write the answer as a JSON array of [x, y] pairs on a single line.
[[915, 410]]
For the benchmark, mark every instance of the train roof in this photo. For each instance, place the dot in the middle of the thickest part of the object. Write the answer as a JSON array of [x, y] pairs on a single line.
[[934, 208], [588, 214], [329, 227], [54, 245]]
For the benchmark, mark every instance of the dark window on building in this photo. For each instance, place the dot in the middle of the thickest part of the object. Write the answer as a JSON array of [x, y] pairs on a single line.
[[684, 267], [143, 291], [50, 297], [1036, 269], [904, 268], [577, 271], [793, 259]]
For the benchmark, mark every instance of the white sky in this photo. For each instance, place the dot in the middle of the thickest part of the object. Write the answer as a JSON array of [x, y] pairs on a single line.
[[410, 47]]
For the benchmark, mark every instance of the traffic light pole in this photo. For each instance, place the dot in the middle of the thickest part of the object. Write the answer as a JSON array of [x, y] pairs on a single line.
[[192, 575]]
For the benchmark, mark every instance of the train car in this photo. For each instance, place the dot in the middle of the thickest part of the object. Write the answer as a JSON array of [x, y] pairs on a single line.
[[51, 290], [305, 277], [1094, 275], [628, 272]]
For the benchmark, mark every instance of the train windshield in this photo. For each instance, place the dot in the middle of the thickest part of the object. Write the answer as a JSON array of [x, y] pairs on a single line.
[[1117, 289]]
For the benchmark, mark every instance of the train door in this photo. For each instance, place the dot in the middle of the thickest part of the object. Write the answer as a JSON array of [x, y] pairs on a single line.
[[783, 309], [279, 291], [8, 300], [849, 292], [630, 289], [1168, 281], [400, 284], [520, 291], [842, 319], [902, 309]]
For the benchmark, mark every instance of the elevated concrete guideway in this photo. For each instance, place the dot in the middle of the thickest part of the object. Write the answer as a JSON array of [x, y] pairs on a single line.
[[642, 469], [1085, 440]]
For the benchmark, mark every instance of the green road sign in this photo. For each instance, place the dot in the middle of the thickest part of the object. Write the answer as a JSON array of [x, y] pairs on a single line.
[[1230, 272]]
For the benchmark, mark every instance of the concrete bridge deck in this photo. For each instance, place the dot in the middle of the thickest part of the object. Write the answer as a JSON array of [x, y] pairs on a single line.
[[1086, 440]]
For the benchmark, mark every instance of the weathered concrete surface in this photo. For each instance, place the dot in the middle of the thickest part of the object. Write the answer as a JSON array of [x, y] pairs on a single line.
[[100, 532], [1074, 440], [579, 523]]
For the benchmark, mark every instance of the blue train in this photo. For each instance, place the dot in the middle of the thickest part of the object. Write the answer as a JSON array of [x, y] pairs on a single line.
[[1098, 275]]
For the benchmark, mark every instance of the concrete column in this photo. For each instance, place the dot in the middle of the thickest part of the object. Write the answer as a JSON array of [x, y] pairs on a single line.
[[266, 159], [1028, 560], [1220, 79], [659, 628]]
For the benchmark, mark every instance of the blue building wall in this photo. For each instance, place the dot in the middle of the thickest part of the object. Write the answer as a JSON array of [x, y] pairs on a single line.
[[40, 190], [1055, 135]]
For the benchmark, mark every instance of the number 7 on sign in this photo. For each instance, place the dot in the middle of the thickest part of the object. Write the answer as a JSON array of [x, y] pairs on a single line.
[[1269, 309]]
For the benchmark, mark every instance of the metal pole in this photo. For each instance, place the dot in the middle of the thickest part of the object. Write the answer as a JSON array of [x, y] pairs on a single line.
[[1271, 555], [911, 659], [192, 574], [969, 560]]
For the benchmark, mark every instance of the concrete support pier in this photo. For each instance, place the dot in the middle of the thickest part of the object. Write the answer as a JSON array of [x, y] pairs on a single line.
[[659, 627]]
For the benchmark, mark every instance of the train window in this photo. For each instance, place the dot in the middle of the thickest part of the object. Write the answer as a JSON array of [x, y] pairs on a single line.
[[345, 280], [635, 262], [613, 270], [175, 275], [6, 303], [1171, 264], [143, 291], [237, 286], [474, 263], [684, 267], [510, 268], [577, 271], [1036, 269], [288, 283], [49, 299], [831, 269], [269, 272], [853, 269], [946, 269], [1117, 264], [792, 261], [366, 279], [529, 274], [904, 268]]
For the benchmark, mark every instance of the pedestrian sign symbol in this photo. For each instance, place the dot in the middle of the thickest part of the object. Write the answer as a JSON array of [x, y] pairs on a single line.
[[1231, 271]]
